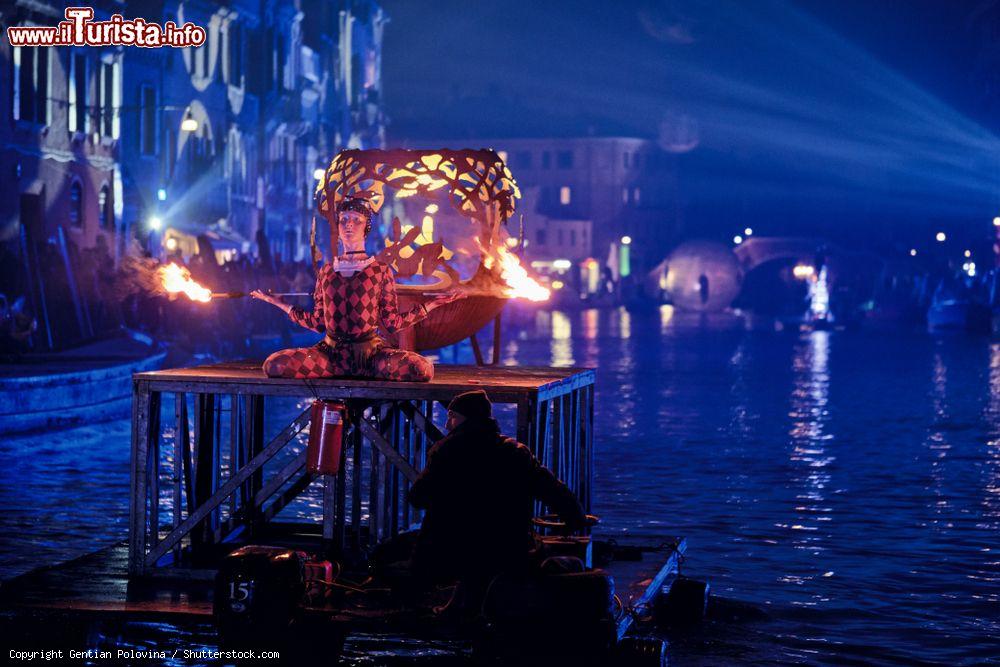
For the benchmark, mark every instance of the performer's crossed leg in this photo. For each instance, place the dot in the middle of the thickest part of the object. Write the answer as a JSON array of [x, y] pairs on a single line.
[[300, 362], [392, 364], [313, 362]]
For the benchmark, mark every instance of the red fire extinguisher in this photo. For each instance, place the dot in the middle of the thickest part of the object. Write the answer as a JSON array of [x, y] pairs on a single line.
[[326, 431]]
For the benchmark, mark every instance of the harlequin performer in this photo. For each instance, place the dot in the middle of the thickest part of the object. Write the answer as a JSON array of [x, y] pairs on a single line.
[[354, 295]]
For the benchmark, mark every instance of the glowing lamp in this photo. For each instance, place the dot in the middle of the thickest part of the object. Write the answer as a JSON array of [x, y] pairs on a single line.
[[803, 271], [161, 194], [557, 284], [562, 264], [155, 222], [913, 252], [737, 239], [941, 237], [626, 240], [968, 253], [171, 243], [748, 232], [996, 221], [189, 124], [318, 173]]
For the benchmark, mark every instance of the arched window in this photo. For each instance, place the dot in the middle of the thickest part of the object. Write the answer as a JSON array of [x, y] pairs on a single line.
[[104, 209], [76, 204]]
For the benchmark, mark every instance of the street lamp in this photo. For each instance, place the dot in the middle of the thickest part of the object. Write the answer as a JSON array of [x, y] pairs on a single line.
[[189, 124], [748, 232], [155, 222], [941, 237], [737, 239], [913, 252], [161, 194], [626, 240]]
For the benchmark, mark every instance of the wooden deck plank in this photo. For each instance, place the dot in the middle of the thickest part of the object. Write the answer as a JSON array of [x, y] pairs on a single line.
[[503, 383], [98, 584]]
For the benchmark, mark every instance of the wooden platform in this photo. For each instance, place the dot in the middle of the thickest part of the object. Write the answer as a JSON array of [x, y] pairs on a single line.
[[97, 587], [504, 384], [217, 493]]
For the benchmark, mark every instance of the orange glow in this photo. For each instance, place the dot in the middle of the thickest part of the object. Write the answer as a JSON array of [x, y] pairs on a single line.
[[519, 283], [177, 279]]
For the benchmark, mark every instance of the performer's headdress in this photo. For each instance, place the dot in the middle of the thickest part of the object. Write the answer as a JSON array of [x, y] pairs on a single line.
[[360, 205]]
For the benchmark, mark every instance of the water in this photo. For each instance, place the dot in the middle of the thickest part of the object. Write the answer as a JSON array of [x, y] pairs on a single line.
[[847, 484]]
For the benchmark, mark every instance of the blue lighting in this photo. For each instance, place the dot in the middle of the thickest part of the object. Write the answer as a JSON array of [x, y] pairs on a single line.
[[161, 194]]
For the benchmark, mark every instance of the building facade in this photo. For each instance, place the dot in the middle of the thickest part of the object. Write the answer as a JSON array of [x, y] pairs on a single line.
[[59, 135], [582, 195], [107, 144]]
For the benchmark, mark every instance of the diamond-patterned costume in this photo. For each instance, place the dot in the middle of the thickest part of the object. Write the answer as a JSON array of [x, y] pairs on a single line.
[[349, 309]]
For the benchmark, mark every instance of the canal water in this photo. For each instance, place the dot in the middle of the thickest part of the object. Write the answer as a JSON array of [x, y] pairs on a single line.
[[840, 491]]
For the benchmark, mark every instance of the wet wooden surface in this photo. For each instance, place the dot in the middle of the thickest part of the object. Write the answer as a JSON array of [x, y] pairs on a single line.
[[502, 383], [97, 585]]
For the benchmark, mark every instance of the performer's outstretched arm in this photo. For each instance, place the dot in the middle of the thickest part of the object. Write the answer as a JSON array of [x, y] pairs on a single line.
[[389, 313], [313, 320]]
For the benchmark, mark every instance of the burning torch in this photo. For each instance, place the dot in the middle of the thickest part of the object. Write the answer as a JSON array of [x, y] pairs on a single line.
[[177, 280]]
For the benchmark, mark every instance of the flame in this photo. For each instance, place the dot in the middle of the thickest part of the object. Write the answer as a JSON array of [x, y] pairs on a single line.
[[177, 279], [519, 283]]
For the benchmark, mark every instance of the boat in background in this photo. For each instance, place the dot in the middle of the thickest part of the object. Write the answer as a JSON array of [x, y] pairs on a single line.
[[952, 308], [91, 383]]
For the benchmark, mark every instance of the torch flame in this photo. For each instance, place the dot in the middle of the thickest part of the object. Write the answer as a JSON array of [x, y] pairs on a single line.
[[177, 279], [519, 283]]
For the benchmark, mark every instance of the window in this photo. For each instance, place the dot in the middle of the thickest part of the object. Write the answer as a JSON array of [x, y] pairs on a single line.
[[235, 34], [625, 159], [572, 237], [625, 195], [637, 160], [76, 204], [78, 93], [147, 120], [171, 156], [356, 88], [540, 236], [269, 67], [564, 159], [105, 212], [107, 87], [279, 62], [523, 159], [546, 159], [635, 196], [30, 84], [199, 64], [564, 195]]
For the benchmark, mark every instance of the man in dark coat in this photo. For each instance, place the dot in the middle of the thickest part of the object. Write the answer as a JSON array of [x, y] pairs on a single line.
[[478, 489]]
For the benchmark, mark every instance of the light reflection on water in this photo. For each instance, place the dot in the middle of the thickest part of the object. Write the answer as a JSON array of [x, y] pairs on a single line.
[[849, 483]]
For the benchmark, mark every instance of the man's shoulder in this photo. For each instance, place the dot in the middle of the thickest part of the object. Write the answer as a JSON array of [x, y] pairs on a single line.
[[514, 448]]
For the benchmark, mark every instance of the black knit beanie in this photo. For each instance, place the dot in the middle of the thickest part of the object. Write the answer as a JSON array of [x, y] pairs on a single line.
[[472, 405]]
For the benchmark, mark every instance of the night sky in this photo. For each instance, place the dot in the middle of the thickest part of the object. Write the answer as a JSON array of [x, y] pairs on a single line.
[[858, 118]]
